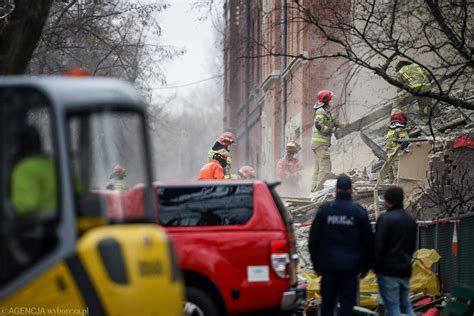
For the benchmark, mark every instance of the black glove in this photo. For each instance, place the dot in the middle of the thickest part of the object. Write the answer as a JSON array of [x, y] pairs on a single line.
[[317, 125], [404, 145]]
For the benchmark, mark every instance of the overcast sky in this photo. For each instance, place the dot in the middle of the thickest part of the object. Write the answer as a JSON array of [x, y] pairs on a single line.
[[181, 28]]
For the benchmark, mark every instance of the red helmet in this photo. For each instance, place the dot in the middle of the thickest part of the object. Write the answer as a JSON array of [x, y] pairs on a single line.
[[324, 96], [120, 170], [247, 172], [398, 117], [227, 138]]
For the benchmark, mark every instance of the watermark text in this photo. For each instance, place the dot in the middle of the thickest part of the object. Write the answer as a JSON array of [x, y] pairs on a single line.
[[42, 311]]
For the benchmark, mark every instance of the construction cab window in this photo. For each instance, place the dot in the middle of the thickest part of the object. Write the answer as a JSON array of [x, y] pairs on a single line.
[[29, 190], [108, 161], [205, 205]]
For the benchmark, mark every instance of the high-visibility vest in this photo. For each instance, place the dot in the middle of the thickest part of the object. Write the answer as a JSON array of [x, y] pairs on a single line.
[[324, 134], [415, 76], [34, 187]]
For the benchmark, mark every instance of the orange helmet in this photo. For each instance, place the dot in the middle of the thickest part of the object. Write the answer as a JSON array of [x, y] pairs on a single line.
[[247, 172], [323, 97], [227, 138], [293, 147], [77, 72]]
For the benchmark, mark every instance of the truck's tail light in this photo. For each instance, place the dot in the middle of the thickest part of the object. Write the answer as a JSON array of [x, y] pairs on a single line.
[[280, 258]]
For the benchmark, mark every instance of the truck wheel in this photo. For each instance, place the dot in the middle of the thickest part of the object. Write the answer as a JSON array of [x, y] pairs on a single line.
[[198, 303]]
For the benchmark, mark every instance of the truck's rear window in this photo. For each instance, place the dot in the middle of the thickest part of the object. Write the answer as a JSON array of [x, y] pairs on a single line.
[[205, 205]]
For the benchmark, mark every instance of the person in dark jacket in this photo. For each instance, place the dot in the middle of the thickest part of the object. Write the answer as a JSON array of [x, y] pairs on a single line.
[[340, 245], [395, 243]]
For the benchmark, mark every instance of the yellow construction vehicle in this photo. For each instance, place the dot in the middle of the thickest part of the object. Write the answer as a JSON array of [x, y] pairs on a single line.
[[61, 250]]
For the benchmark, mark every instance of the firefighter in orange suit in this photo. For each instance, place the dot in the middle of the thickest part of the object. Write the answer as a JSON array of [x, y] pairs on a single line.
[[288, 168]]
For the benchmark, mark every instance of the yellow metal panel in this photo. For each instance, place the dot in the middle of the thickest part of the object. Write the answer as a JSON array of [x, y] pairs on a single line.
[[53, 292], [148, 291]]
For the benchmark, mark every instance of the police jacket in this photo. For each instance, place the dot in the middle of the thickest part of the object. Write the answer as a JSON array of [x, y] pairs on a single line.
[[395, 243], [341, 237]]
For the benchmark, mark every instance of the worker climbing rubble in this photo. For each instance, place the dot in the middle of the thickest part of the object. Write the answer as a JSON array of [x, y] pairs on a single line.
[[247, 173], [215, 170], [117, 179], [415, 77], [323, 129], [288, 169], [223, 142], [397, 131]]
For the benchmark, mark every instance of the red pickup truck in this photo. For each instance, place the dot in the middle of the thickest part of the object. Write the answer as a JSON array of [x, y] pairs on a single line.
[[235, 245]]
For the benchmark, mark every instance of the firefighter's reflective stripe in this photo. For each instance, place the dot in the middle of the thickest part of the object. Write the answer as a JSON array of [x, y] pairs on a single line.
[[419, 83], [320, 140], [117, 184]]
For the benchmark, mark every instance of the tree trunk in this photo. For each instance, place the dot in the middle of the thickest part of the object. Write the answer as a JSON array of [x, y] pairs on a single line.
[[20, 35]]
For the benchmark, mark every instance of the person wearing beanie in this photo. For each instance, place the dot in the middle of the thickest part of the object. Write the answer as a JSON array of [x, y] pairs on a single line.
[[340, 245], [395, 243]]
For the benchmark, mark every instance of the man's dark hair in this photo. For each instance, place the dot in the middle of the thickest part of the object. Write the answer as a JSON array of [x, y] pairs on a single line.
[[344, 183], [394, 195]]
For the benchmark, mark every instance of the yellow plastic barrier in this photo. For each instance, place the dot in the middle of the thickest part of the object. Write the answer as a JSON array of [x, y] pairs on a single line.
[[422, 280]]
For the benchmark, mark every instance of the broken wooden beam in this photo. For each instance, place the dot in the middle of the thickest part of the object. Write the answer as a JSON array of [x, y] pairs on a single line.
[[359, 124]]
